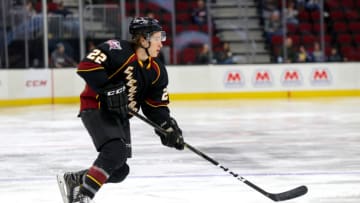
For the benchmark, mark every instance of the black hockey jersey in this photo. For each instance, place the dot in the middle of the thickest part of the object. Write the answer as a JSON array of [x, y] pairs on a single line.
[[114, 61]]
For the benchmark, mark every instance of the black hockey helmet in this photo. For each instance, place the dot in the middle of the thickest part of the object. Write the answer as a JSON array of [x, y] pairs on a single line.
[[144, 26]]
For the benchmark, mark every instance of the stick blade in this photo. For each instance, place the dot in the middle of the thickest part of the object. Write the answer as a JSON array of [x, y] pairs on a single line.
[[291, 194]]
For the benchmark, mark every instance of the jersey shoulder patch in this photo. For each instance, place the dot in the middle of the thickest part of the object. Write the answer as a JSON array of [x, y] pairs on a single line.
[[113, 44]]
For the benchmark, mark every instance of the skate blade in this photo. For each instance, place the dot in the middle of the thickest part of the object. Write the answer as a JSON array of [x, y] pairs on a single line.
[[61, 184]]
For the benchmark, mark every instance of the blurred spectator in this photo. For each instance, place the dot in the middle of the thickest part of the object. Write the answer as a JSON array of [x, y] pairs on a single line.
[[300, 4], [199, 14], [334, 55], [60, 59], [90, 46], [273, 25], [312, 5], [317, 54], [290, 51], [61, 10], [291, 13], [303, 55], [225, 55], [269, 6], [29, 8], [203, 56]]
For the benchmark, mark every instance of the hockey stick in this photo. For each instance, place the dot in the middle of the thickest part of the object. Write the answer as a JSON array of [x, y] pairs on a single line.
[[290, 194]]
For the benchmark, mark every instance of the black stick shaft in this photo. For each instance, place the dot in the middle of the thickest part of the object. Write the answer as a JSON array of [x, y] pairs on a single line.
[[275, 197]]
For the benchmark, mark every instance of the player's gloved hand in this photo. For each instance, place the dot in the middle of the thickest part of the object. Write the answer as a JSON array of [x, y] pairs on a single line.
[[113, 97], [174, 137]]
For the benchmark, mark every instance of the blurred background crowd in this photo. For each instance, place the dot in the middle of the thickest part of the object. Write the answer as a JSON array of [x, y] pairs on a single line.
[[198, 31]]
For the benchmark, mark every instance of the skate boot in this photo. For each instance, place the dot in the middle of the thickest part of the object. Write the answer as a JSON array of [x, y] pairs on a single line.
[[69, 185], [84, 199]]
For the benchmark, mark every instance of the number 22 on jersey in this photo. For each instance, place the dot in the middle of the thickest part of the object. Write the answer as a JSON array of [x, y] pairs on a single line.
[[97, 56]]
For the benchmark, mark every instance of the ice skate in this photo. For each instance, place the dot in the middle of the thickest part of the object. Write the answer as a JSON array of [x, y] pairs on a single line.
[[84, 199], [69, 185]]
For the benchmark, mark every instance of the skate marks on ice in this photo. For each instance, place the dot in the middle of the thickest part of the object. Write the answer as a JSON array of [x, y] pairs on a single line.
[[277, 145]]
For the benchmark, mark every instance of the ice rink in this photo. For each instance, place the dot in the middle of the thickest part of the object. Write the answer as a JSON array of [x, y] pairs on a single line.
[[276, 144]]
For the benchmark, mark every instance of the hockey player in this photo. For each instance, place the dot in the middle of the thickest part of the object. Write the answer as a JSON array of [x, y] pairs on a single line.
[[120, 75]]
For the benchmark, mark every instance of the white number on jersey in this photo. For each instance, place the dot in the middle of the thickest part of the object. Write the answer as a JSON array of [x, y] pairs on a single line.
[[97, 56]]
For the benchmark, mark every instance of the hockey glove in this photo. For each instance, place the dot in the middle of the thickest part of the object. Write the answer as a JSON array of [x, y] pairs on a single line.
[[174, 137], [114, 99]]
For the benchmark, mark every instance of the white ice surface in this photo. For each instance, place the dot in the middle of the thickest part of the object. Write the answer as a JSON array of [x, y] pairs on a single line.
[[276, 144]]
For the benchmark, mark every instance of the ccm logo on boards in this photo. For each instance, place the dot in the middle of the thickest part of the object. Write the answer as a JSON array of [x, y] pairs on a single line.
[[262, 78], [35, 83], [291, 77], [321, 76], [234, 79]]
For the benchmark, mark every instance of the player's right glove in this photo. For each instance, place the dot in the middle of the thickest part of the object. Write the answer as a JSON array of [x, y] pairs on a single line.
[[113, 98], [173, 137]]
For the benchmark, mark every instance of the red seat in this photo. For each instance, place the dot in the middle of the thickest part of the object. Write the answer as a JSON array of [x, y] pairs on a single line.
[[295, 39], [168, 42], [333, 4], [337, 15], [204, 28], [216, 41], [152, 7], [340, 27], [181, 6], [277, 40], [180, 28], [183, 18], [316, 27], [193, 27], [303, 16], [166, 28], [344, 39], [347, 50], [327, 50], [357, 39], [291, 28], [305, 28], [166, 17], [354, 27], [327, 39], [188, 56], [308, 40], [315, 16], [351, 15], [348, 3]]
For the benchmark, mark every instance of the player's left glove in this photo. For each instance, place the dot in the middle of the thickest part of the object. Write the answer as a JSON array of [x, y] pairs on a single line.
[[113, 98], [173, 137]]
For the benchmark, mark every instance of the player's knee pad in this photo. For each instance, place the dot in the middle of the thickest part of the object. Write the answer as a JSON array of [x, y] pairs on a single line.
[[119, 175], [112, 155]]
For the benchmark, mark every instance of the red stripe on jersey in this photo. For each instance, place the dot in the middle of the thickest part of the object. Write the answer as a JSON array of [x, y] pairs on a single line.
[[88, 99], [88, 66]]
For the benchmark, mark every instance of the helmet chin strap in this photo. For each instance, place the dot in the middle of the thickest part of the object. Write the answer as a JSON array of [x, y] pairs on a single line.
[[147, 48]]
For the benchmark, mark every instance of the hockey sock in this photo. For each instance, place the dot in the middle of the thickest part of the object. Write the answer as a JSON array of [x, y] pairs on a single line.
[[112, 154], [93, 181]]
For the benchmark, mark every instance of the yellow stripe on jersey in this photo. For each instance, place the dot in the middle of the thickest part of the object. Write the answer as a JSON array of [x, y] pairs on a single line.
[[155, 106], [91, 69], [118, 70], [157, 71]]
